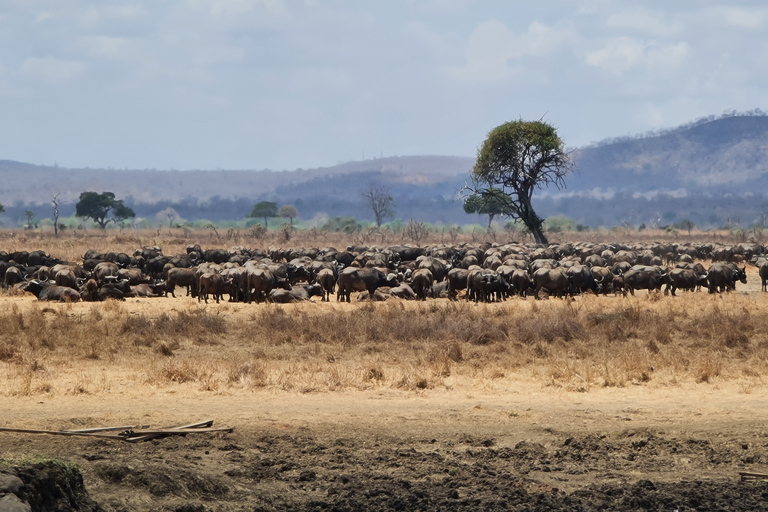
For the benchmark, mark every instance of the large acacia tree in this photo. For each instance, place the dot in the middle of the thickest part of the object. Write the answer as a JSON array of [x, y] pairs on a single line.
[[102, 208], [516, 159]]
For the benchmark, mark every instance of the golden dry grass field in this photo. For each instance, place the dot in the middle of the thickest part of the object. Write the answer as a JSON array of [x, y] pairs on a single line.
[[451, 379]]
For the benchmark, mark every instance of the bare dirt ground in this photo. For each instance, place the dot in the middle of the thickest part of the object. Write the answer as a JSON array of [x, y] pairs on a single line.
[[521, 445]]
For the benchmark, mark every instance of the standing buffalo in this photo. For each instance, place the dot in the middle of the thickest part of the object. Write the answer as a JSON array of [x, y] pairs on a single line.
[[641, 277], [326, 279], [722, 277], [361, 279], [421, 283], [554, 281]]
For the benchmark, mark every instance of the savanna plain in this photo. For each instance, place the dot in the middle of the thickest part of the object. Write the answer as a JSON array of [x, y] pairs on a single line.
[[649, 402]]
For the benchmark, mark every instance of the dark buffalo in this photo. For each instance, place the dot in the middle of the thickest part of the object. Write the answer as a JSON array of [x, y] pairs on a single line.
[[641, 277], [486, 285], [156, 289], [114, 290], [66, 277], [581, 279], [421, 283], [457, 281], [684, 279], [297, 293], [764, 275], [105, 270], [360, 279], [261, 281], [327, 280], [181, 277], [521, 282], [213, 284], [13, 276], [51, 292], [722, 277], [554, 281]]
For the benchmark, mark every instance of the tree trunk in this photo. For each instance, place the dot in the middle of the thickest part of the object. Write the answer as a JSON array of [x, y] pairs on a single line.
[[538, 234]]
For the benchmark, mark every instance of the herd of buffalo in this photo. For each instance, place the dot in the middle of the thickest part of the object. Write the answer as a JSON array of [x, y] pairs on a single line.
[[481, 272]]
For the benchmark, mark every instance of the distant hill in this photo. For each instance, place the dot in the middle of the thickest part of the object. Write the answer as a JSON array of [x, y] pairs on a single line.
[[712, 171]]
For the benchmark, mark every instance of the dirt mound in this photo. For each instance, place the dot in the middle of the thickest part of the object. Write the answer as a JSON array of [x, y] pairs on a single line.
[[50, 485]]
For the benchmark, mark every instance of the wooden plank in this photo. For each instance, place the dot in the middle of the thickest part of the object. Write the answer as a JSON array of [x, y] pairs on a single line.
[[59, 433], [753, 476], [106, 429], [180, 431], [147, 437]]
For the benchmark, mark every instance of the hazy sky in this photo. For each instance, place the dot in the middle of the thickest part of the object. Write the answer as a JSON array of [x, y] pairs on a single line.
[[281, 84]]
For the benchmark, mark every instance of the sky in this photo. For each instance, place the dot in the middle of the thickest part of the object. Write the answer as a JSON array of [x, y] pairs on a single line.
[[286, 84]]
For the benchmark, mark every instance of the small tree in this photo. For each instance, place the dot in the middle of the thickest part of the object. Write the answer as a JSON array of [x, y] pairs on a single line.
[[490, 205], [2, 208], [687, 225], [265, 210], [56, 203], [288, 211], [99, 206], [30, 217], [168, 213], [379, 201]]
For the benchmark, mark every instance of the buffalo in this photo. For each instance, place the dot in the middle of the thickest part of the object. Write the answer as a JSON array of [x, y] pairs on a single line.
[[47, 291]]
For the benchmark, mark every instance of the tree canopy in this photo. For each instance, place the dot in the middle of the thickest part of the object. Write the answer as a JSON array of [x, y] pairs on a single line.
[[490, 205], [379, 201], [2, 208], [99, 207], [265, 210], [288, 211], [516, 159]]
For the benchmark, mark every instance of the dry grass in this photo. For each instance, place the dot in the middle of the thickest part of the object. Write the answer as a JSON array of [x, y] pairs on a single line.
[[582, 345], [576, 346]]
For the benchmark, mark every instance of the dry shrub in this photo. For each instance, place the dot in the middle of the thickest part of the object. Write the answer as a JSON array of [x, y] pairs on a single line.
[[251, 374]]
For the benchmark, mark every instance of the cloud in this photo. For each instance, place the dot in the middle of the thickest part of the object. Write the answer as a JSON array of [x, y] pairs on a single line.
[[491, 46], [642, 22], [234, 7], [105, 46], [52, 71], [622, 54], [738, 17], [618, 55], [220, 54]]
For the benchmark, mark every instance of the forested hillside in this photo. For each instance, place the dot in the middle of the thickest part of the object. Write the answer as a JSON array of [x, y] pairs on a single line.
[[713, 171]]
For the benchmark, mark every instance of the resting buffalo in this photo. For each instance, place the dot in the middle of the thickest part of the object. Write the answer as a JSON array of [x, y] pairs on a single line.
[[297, 293], [117, 290], [66, 277], [104, 270], [156, 289], [360, 279], [722, 277], [51, 292]]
